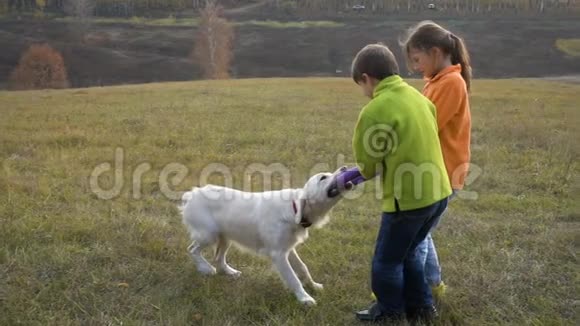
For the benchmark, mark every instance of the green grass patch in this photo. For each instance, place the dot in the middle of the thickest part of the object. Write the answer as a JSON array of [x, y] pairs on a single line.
[[172, 21], [168, 21], [569, 46], [301, 24]]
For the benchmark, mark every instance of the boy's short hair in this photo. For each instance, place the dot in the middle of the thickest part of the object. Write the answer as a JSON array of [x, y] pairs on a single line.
[[375, 60]]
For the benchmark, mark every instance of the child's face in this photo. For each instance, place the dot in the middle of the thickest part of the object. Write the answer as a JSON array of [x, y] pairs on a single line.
[[367, 84], [425, 62]]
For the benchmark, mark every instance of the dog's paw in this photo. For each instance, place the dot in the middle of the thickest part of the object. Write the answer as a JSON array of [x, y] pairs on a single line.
[[232, 272], [317, 286], [207, 270], [307, 301]]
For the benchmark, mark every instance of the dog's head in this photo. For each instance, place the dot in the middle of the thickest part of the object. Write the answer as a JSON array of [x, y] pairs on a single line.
[[316, 200]]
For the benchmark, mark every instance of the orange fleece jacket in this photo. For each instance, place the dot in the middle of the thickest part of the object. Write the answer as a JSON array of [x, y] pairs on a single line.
[[448, 91]]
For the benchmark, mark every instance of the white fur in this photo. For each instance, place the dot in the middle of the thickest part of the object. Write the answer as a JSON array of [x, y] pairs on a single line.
[[263, 222]]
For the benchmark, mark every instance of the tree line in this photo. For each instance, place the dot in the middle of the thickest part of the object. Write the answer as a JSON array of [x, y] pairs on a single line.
[[140, 7], [385, 6]]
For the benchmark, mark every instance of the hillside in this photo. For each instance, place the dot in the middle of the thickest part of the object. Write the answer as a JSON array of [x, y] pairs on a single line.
[[140, 50]]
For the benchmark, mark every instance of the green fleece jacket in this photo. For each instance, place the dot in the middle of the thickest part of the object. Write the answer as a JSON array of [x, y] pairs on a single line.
[[396, 135]]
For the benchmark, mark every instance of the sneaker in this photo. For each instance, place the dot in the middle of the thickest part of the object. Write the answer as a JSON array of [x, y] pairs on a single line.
[[374, 314]]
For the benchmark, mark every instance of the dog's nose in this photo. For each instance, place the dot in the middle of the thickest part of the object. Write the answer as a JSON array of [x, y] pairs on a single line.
[[333, 190]]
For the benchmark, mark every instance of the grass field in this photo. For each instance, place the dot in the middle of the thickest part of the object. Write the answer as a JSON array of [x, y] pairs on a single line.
[[70, 258]]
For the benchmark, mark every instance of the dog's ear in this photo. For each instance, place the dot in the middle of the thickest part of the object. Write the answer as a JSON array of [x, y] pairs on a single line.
[[300, 210]]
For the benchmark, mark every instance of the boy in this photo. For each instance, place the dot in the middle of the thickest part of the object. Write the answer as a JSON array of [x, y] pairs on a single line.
[[396, 135]]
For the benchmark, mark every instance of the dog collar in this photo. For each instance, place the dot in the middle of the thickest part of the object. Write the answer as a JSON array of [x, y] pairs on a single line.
[[303, 222]]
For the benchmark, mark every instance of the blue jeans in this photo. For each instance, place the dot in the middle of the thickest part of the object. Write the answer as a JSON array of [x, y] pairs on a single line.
[[398, 271], [429, 257]]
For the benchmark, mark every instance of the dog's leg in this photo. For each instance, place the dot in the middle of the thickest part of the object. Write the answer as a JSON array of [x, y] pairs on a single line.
[[203, 266], [302, 270], [281, 262], [220, 258]]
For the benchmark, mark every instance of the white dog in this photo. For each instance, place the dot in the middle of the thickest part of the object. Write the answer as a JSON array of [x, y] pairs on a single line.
[[269, 223]]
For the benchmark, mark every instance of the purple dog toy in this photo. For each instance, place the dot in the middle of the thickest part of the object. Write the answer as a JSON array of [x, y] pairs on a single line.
[[346, 181], [351, 176]]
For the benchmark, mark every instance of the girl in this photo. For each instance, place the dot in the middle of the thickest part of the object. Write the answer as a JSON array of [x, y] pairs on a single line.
[[442, 58]]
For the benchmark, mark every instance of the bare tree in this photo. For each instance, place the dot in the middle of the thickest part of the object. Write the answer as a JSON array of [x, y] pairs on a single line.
[[213, 43], [82, 9]]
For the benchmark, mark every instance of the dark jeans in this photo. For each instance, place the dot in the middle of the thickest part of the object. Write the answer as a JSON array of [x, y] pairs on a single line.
[[398, 270]]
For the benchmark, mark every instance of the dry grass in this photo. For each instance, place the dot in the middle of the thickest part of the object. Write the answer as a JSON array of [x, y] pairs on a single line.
[[68, 258]]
